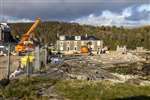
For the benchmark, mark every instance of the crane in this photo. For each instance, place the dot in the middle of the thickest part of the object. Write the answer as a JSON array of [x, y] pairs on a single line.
[[25, 39]]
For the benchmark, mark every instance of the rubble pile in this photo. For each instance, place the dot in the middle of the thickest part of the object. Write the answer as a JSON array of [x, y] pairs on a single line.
[[115, 57], [79, 71], [140, 69], [97, 67], [102, 67]]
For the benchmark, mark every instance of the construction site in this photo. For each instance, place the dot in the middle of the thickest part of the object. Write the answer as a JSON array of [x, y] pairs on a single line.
[[83, 58]]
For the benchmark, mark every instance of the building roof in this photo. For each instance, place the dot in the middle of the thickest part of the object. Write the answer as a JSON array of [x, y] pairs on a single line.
[[82, 37], [89, 38]]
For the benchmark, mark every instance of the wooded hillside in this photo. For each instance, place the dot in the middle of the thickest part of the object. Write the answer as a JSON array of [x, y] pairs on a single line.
[[112, 36]]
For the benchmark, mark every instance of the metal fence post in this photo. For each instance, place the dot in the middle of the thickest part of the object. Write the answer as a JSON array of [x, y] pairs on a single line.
[[46, 54], [8, 67], [28, 64]]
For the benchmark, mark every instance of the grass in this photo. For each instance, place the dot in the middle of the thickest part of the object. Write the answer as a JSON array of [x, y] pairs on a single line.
[[84, 90], [26, 89]]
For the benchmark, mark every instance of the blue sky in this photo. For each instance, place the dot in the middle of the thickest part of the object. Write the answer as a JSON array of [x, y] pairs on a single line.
[[92, 12]]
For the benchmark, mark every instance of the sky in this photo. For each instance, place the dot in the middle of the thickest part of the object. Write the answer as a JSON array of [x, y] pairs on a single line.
[[129, 13]]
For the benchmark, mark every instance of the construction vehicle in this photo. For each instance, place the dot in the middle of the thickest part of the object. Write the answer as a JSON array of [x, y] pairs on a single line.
[[25, 43], [25, 59], [6, 38], [5, 33], [84, 49]]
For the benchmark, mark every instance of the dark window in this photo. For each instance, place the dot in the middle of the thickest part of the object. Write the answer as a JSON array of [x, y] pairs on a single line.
[[75, 48], [68, 48]]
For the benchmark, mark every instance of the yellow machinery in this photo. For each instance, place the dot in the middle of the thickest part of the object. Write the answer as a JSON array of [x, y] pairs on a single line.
[[84, 49], [25, 40], [24, 59]]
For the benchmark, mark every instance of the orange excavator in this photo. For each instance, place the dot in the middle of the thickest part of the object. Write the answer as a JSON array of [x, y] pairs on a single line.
[[25, 42]]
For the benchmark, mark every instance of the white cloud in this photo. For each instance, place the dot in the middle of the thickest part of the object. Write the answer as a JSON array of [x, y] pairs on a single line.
[[127, 12], [23, 20], [14, 19], [144, 7], [108, 18]]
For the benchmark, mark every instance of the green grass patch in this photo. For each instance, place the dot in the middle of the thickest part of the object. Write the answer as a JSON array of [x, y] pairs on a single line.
[[25, 88], [89, 90]]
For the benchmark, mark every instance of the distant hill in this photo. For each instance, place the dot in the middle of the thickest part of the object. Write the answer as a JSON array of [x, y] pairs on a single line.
[[112, 36]]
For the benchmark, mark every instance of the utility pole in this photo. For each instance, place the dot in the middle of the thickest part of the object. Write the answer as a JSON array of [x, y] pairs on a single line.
[[8, 67]]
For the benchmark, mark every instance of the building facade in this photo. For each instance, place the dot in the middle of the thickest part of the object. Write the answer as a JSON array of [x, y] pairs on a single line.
[[73, 44]]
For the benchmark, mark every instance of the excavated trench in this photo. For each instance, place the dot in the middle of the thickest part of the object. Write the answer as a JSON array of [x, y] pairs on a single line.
[[142, 69]]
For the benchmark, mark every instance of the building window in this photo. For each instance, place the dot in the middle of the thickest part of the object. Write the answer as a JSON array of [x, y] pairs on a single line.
[[61, 48], [75, 48], [61, 43], [68, 42], [98, 43], [77, 37], [68, 48], [82, 43], [89, 43]]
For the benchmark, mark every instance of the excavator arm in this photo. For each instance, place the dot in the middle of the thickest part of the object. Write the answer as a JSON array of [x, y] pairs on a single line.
[[21, 46]]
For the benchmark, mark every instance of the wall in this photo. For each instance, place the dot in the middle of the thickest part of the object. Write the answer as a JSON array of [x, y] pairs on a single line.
[[63, 45]]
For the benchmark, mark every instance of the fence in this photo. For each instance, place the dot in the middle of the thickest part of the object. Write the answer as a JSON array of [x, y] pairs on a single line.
[[4, 65], [10, 63]]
